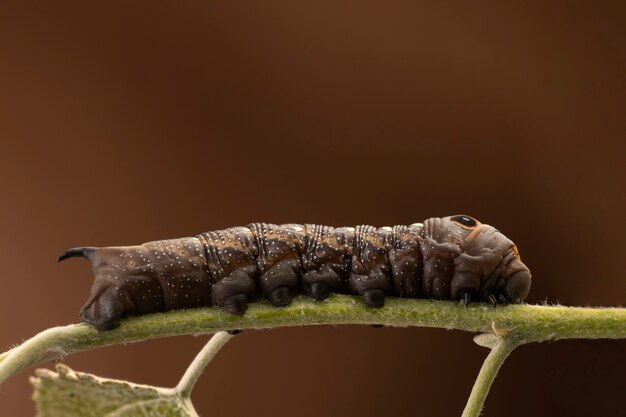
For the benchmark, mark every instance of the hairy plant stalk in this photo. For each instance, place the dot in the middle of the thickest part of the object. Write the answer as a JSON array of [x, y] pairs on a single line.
[[499, 352], [202, 359], [529, 323]]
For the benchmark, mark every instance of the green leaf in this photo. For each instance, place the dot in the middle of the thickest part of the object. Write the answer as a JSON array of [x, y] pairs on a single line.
[[67, 393]]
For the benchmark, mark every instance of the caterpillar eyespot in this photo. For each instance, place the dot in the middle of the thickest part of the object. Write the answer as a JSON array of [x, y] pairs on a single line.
[[231, 268], [466, 221]]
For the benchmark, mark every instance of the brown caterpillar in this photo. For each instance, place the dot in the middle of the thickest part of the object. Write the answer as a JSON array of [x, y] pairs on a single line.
[[449, 258]]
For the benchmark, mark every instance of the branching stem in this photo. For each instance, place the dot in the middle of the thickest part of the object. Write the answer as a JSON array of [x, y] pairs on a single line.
[[499, 352], [202, 359], [505, 326]]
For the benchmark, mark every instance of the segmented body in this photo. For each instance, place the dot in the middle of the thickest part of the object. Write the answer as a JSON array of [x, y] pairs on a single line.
[[235, 266], [262, 258]]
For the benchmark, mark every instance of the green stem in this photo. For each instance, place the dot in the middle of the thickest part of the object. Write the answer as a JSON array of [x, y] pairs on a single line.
[[499, 352], [528, 322], [202, 359]]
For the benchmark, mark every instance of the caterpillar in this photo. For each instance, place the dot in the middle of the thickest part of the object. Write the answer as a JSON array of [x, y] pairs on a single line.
[[448, 258]]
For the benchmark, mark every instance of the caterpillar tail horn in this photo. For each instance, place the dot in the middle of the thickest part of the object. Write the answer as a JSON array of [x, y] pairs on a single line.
[[84, 252]]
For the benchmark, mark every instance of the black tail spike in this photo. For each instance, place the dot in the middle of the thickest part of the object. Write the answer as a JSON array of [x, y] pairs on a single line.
[[85, 252]]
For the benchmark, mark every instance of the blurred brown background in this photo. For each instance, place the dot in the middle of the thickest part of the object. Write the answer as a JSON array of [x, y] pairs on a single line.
[[123, 123]]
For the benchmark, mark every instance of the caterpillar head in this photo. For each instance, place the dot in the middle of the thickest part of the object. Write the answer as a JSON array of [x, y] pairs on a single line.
[[487, 264]]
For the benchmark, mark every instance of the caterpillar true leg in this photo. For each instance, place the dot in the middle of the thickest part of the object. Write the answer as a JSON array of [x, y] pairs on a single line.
[[466, 297]]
